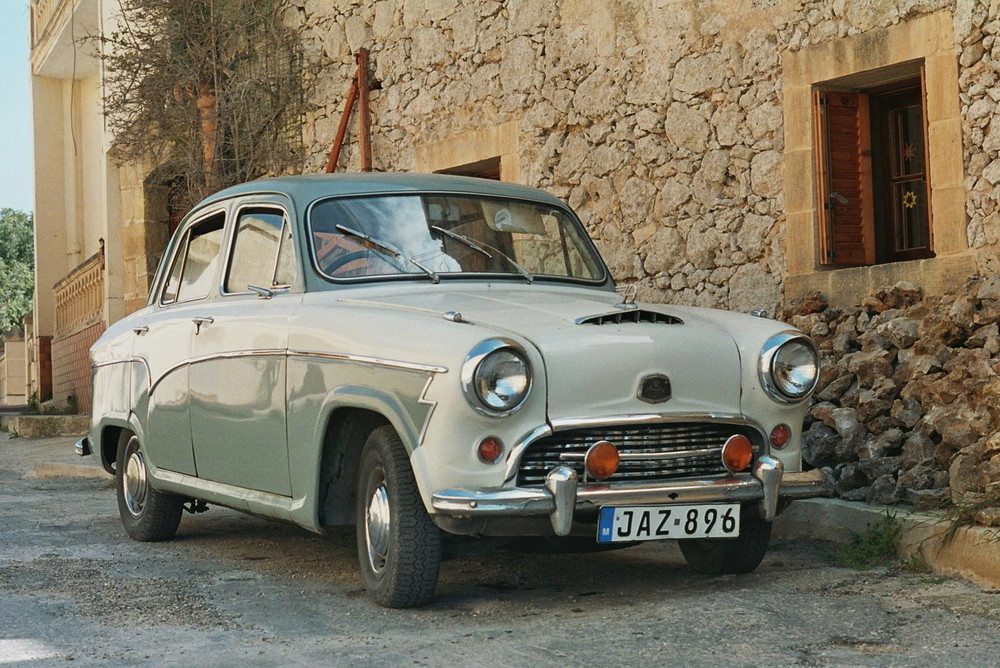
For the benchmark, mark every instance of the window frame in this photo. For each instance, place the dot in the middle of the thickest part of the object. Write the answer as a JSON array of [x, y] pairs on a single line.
[[179, 253], [246, 208], [601, 266], [875, 217]]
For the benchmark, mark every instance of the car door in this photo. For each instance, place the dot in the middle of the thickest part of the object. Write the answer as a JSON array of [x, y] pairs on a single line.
[[164, 343], [237, 377]]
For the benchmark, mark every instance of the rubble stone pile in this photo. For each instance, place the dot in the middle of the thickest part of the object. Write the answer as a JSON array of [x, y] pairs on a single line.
[[909, 394]]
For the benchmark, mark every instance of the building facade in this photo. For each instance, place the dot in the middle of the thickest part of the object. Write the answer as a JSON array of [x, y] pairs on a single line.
[[734, 155], [77, 201]]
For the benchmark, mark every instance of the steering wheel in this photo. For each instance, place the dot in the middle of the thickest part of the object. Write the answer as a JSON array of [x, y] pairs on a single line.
[[363, 254]]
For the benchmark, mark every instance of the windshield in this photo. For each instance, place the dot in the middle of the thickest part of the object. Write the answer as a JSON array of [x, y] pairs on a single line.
[[439, 235]]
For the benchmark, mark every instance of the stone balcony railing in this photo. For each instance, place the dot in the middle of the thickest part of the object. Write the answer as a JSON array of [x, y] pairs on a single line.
[[79, 296], [43, 13]]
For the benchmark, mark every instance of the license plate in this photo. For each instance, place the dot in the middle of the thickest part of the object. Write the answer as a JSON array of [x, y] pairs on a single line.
[[663, 522]]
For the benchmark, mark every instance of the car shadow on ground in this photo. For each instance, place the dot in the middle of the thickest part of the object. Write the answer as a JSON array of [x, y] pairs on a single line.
[[531, 573]]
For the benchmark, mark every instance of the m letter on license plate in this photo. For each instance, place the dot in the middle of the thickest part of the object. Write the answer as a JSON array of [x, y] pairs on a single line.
[[661, 522]]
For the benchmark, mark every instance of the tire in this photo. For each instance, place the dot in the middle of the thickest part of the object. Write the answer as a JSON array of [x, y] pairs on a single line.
[[742, 554], [399, 547], [148, 515]]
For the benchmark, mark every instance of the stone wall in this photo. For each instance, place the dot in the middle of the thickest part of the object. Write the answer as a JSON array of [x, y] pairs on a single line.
[[660, 121], [909, 394]]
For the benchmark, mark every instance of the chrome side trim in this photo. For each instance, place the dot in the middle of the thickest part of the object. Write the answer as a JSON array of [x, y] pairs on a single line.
[[230, 496], [364, 359], [278, 352], [265, 352]]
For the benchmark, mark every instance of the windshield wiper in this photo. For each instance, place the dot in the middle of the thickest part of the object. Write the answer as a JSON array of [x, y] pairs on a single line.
[[465, 240], [477, 246], [389, 249]]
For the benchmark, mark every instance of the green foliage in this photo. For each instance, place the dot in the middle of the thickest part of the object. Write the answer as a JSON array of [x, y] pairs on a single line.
[[877, 546], [17, 267], [17, 235]]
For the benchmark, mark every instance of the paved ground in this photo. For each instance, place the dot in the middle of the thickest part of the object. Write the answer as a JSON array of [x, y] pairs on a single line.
[[234, 590]]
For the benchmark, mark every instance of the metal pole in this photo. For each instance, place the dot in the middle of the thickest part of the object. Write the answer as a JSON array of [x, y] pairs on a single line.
[[365, 135], [338, 142]]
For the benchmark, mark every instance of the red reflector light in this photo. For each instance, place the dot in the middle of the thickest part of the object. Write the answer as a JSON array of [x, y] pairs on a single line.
[[781, 435], [490, 450], [601, 460], [737, 453]]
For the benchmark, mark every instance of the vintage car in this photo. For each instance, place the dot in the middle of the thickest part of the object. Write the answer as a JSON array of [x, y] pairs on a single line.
[[422, 355]]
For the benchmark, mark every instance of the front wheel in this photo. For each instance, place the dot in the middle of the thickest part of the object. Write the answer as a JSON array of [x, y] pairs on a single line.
[[742, 554], [147, 514], [399, 547]]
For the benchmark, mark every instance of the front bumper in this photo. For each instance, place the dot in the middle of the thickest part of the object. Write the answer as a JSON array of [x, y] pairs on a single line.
[[563, 495], [83, 447]]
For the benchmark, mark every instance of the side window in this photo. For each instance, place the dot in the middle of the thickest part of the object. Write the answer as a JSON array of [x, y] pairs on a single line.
[[284, 273], [196, 263], [263, 255]]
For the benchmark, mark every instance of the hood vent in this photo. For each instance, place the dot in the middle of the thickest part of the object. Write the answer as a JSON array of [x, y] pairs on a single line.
[[630, 316]]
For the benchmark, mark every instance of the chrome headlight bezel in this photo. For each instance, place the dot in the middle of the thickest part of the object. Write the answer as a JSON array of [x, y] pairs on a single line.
[[472, 370], [771, 371]]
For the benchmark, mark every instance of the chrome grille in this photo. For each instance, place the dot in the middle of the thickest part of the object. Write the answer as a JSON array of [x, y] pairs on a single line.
[[630, 316], [704, 440]]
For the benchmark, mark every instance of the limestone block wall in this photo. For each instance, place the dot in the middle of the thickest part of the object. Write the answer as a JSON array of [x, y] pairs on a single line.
[[13, 372], [661, 122]]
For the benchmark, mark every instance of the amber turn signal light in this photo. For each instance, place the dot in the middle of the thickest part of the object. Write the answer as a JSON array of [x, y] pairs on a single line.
[[781, 435], [601, 460], [737, 453], [490, 450]]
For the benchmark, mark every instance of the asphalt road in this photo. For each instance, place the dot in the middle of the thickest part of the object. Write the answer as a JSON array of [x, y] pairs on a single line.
[[234, 590]]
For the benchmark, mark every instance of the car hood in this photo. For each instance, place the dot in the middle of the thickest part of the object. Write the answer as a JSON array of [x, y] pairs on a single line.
[[595, 370]]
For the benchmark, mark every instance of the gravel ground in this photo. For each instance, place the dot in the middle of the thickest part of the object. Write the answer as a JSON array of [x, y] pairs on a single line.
[[235, 590]]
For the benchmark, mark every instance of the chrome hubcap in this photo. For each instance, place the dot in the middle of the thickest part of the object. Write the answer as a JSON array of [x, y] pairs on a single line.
[[377, 525], [135, 483]]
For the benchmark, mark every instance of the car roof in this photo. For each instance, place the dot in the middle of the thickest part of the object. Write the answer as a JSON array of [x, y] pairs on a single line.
[[306, 188]]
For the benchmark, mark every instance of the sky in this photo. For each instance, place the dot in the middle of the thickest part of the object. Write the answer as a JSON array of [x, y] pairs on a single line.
[[16, 161]]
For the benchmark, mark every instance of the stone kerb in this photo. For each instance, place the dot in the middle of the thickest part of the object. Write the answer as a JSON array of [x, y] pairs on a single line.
[[45, 426]]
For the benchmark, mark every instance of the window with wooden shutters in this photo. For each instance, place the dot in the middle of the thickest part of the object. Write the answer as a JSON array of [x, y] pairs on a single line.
[[846, 212], [872, 183]]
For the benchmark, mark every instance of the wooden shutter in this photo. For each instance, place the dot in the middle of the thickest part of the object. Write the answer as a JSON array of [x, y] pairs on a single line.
[[844, 178]]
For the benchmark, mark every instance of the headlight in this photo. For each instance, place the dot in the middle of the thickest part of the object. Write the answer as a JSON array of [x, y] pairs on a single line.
[[789, 367], [496, 377]]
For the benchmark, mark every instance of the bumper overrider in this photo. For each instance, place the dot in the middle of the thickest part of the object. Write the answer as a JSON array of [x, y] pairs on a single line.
[[564, 494]]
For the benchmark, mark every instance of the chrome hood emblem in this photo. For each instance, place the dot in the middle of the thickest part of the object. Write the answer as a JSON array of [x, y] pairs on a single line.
[[654, 389]]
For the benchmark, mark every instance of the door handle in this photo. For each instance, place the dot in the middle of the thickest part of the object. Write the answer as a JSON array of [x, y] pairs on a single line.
[[200, 320], [140, 330]]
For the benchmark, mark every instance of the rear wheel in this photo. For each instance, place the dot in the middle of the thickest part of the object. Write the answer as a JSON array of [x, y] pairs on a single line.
[[147, 514], [730, 555], [399, 547]]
